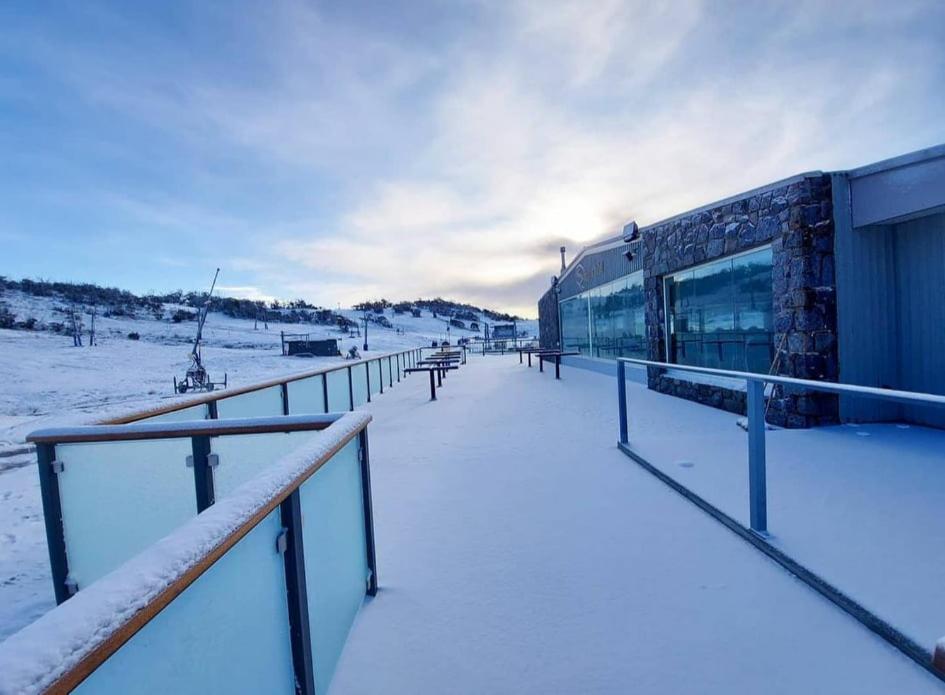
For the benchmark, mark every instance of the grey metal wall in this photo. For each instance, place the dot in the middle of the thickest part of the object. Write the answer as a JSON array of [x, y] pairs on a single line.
[[920, 280], [597, 268], [866, 310], [891, 283]]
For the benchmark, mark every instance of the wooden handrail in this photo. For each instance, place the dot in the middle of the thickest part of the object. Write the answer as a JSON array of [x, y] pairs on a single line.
[[185, 576], [174, 430]]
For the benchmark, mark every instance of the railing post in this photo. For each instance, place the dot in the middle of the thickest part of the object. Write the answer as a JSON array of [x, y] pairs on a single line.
[[52, 516], [622, 402], [365, 459], [285, 397], [212, 410], [367, 371], [325, 389], [203, 472], [351, 390], [757, 486], [297, 594]]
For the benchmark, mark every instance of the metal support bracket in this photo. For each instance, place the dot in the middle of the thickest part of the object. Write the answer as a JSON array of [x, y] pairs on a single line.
[[282, 541], [213, 460], [57, 466]]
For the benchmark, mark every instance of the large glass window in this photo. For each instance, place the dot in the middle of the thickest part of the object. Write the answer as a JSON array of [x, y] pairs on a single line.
[[607, 321], [574, 326], [721, 314]]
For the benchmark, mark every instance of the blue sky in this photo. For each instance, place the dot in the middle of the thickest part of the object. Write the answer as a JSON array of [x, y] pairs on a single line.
[[346, 150]]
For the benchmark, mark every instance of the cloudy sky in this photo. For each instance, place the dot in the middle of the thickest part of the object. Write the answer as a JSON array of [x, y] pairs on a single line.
[[338, 151]]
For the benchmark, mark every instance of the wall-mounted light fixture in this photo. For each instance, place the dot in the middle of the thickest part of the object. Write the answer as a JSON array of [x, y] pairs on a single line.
[[631, 232]]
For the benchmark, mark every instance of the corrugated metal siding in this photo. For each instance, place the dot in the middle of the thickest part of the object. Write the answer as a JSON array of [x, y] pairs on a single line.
[[920, 277], [599, 268], [891, 312], [867, 325]]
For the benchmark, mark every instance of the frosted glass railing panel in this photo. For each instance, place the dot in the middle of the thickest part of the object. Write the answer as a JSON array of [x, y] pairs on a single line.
[[244, 456], [262, 403], [339, 398], [359, 384], [228, 632], [385, 372], [307, 395], [120, 497], [194, 412], [336, 570], [374, 366]]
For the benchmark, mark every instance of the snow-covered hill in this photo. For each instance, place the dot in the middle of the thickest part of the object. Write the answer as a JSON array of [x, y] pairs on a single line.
[[47, 382]]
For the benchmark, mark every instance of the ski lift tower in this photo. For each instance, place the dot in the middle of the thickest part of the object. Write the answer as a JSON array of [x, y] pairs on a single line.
[[196, 378]]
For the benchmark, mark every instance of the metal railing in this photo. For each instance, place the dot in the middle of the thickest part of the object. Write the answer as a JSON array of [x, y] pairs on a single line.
[[298, 538], [378, 379], [108, 491], [755, 387]]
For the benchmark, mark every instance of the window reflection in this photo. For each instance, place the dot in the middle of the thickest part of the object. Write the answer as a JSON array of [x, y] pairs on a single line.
[[607, 321], [721, 314]]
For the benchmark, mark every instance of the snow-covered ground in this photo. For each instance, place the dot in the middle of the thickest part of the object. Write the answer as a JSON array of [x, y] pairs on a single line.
[[46, 382], [520, 552]]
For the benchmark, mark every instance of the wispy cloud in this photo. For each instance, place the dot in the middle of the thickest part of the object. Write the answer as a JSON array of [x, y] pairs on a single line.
[[337, 158]]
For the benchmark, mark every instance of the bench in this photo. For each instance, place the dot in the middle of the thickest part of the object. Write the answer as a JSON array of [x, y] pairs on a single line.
[[546, 354], [431, 370]]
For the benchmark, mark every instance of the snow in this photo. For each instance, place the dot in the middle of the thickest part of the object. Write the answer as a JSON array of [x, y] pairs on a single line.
[[860, 505], [48, 384], [520, 551], [36, 656]]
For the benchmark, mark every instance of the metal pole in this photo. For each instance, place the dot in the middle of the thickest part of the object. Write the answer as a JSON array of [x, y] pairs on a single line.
[[297, 593], [432, 387], [351, 390], [757, 492], [52, 516], [622, 402], [203, 472], [285, 397], [368, 505]]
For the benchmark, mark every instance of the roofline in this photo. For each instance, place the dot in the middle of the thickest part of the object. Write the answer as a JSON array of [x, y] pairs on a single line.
[[614, 241], [903, 160]]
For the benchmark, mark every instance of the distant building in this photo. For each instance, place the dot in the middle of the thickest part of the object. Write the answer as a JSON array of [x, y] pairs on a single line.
[[838, 276], [503, 331]]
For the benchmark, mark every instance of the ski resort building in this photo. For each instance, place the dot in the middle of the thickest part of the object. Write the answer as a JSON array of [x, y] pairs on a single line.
[[834, 276]]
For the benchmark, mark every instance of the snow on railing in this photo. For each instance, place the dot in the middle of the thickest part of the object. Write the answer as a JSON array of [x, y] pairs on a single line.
[[109, 491], [205, 606]]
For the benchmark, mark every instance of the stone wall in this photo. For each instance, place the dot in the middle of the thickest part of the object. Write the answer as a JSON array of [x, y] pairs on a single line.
[[548, 336], [796, 218]]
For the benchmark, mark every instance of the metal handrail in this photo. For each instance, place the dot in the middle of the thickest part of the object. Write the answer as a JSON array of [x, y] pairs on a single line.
[[215, 396], [754, 386], [915, 397], [172, 430]]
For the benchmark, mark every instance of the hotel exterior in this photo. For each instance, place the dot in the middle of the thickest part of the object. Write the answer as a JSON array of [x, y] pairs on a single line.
[[836, 276]]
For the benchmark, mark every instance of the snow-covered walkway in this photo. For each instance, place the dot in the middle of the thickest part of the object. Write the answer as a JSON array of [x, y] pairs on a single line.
[[520, 551]]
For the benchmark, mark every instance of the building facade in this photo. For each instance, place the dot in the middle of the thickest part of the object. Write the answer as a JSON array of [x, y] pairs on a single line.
[[785, 279]]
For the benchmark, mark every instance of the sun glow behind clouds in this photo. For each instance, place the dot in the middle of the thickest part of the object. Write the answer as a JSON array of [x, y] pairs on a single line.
[[352, 151]]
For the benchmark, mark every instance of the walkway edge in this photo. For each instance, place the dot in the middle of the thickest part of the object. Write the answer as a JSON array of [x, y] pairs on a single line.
[[870, 620]]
